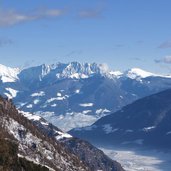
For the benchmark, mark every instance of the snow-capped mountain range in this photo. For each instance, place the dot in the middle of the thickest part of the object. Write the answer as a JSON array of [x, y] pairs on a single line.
[[71, 70], [75, 95]]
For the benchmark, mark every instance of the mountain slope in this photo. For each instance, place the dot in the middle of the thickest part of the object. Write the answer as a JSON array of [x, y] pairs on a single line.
[[34, 145], [75, 95], [40, 143], [145, 122], [90, 155], [9, 159]]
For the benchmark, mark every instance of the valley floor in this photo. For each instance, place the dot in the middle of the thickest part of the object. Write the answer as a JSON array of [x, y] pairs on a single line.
[[140, 160]]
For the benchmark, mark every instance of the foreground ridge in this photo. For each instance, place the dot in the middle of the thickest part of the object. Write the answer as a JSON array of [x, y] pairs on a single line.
[[37, 141]]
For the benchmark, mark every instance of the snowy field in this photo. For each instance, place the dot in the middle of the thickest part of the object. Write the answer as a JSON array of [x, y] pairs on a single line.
[[141, 160]]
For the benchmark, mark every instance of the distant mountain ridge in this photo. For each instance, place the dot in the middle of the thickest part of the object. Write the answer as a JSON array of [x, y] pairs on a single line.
[[71, 70], [144, 123], [75, 95]]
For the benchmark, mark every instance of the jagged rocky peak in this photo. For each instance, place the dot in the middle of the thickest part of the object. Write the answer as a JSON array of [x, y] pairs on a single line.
[[61, 70], [73, 69], [78, 70]]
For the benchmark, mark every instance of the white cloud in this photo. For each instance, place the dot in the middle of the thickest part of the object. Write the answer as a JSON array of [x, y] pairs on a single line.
[[12, 17]]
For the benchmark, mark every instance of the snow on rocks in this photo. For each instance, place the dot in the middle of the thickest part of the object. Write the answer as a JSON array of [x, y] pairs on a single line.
[[62, 135], [146, 129], [41, 93], [30, 116], [12, 93], [86, 104]]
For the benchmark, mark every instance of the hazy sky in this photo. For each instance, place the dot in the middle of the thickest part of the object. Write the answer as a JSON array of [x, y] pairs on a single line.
[[121, 33]]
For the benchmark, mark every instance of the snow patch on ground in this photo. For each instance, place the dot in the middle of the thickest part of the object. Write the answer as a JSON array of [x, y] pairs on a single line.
[[62, 135], [77, 91], [31, 160], [102, 111], [30, 116], [12, 93], [57, 98], [36, 101], [45, 123], [29, 106], [14, 127], [78, 76], [148, 128], [86, 104], [54, 105], [87, 111], [41, 93], [59, 94]]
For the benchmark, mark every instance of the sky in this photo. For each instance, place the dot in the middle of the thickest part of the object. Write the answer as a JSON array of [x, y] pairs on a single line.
[[120, 33]]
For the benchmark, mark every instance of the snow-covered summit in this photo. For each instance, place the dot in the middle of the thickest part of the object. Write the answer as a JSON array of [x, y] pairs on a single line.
[[8, 74], [137, 72]]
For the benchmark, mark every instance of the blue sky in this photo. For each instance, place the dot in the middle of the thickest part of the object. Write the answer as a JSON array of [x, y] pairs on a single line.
[[121, 33]]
